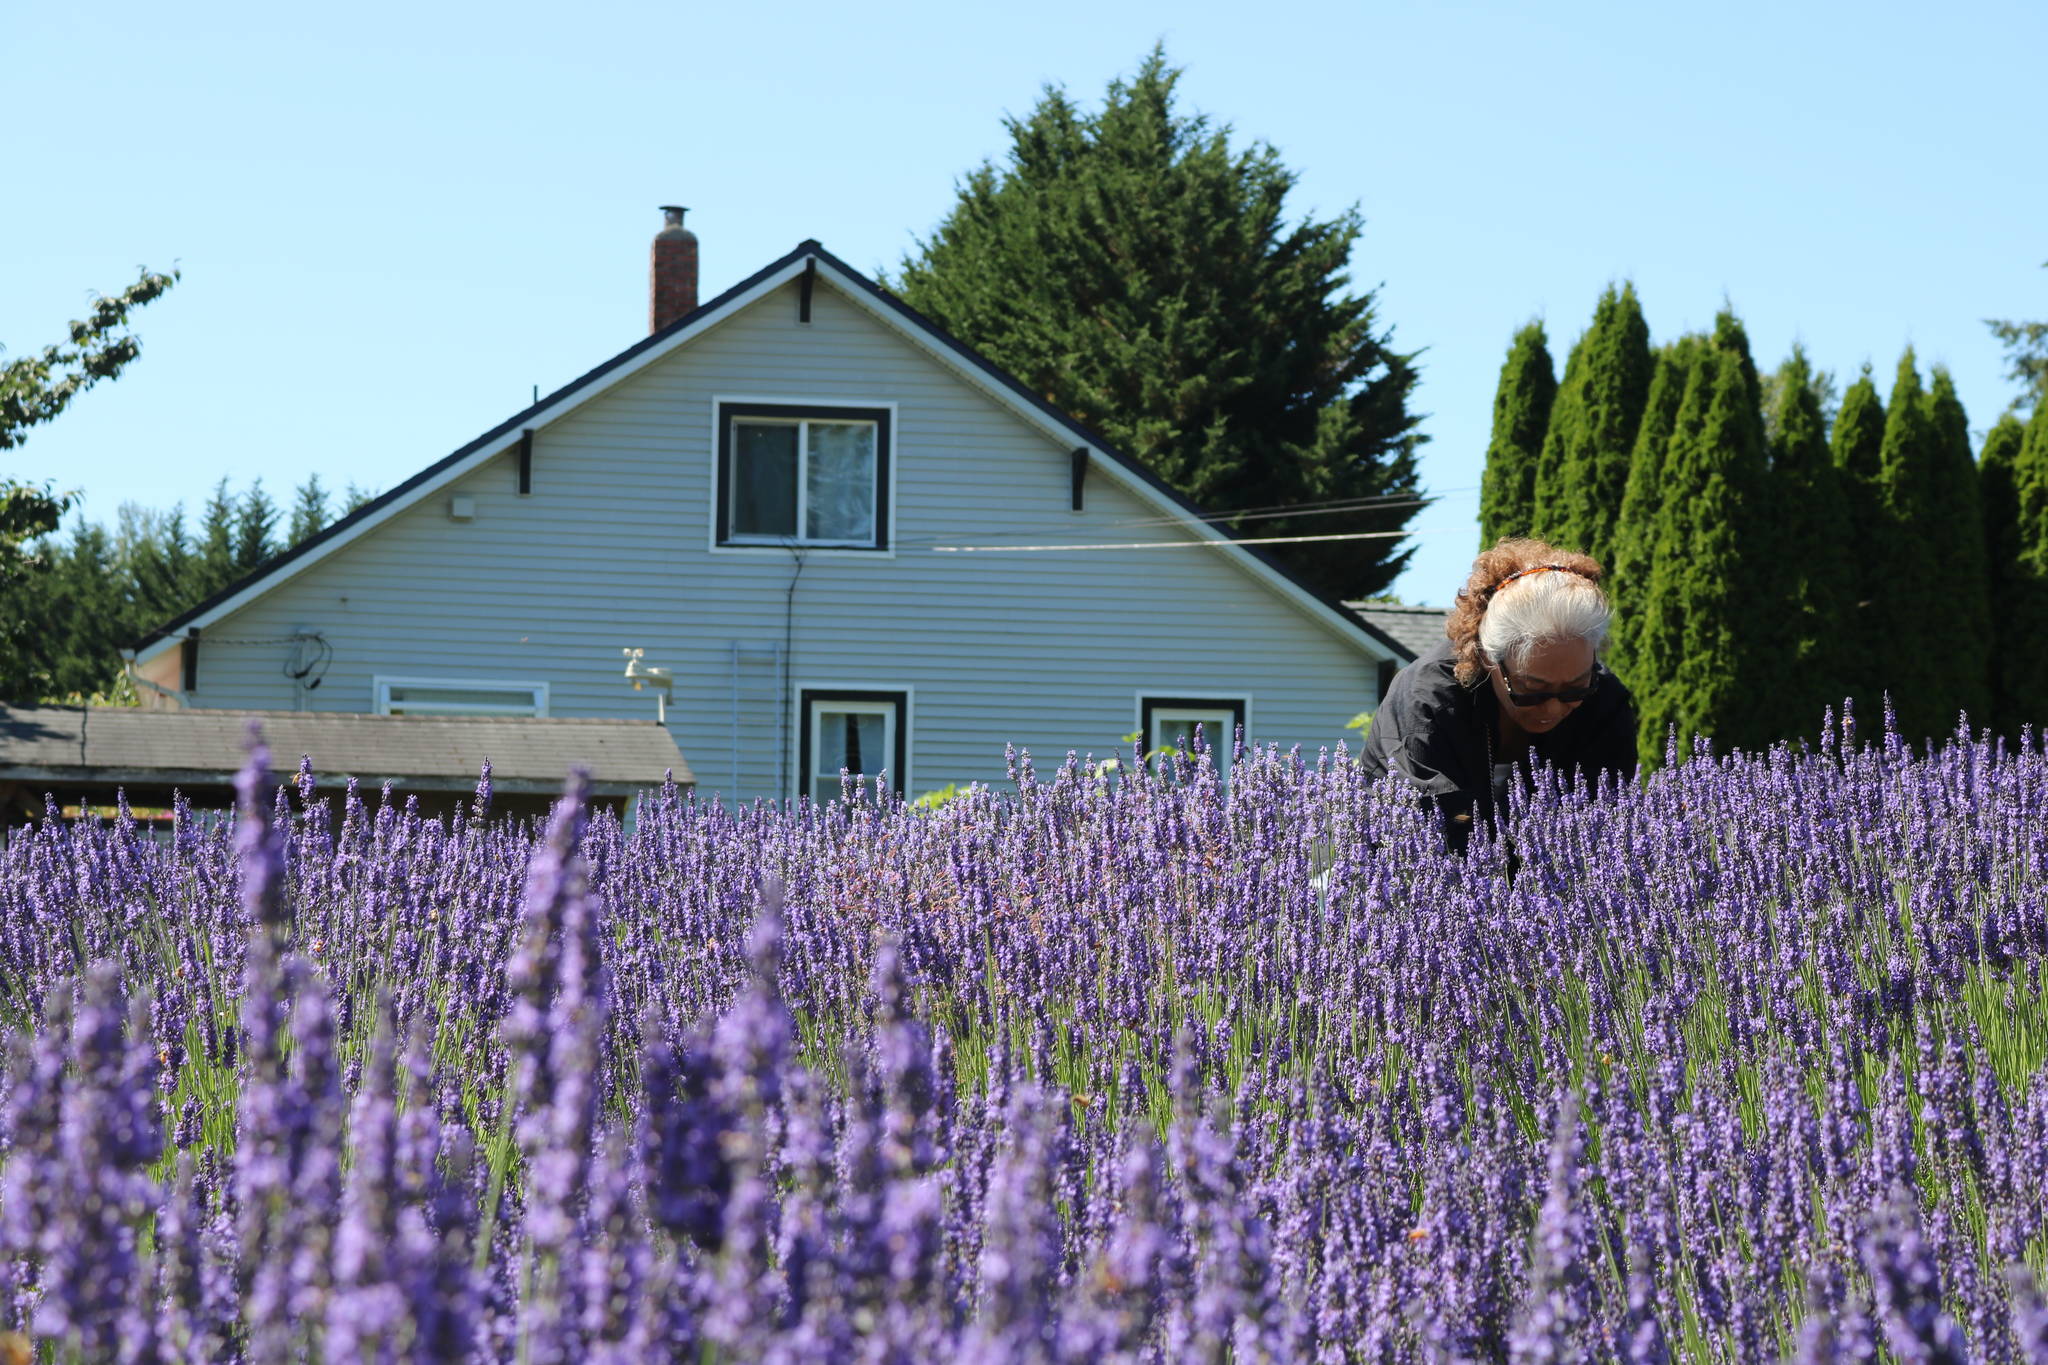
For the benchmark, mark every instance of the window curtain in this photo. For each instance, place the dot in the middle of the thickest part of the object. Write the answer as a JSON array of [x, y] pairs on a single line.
[[840, 482]]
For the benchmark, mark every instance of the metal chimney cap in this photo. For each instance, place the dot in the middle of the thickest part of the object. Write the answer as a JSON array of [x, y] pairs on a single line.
[[672, 215]]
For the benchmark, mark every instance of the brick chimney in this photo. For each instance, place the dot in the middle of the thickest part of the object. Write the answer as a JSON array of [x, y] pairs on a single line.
[[673, 291]]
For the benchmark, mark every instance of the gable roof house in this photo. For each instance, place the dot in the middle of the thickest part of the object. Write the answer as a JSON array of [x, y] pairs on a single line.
[[841, 538]]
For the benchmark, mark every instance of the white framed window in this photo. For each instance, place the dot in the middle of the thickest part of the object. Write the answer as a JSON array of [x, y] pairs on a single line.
[[1170, 723], [791, 474], [459, 697], [865, 733]]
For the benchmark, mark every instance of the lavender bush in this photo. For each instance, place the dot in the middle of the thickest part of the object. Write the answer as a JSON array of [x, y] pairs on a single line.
[[1744, 1064]]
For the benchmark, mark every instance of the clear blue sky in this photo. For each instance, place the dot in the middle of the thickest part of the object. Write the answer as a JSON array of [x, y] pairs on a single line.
[[395, 220]]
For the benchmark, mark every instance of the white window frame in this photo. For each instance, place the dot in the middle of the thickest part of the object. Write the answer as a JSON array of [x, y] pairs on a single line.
[[855, 697], [1199, 707], [778, 545], [382, 684]]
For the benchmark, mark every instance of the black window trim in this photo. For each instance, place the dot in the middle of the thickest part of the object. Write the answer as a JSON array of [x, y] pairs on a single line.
[[1149, 705], [810, 696], [730, 412]]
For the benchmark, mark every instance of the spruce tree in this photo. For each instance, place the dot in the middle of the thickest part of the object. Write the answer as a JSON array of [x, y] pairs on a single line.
[[1953, 529], [1131, 266], [2018, 592], [1582, 475], [1857, 444], [216, 566], [309, 511], [1708, 583], [1521, 414], [1815, 565], [1636, 530], [255, 521], [157, 553], [1909, 590]]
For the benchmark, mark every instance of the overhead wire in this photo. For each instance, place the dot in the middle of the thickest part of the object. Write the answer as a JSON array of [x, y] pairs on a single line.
[[1331, 507], [1194, 544]]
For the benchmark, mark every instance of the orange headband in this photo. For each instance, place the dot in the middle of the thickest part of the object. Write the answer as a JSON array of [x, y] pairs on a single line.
[[1534, 568]]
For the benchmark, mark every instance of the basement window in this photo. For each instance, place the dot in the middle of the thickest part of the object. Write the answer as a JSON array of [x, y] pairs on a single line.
[[459, 697], [1170, 723], [799, 475], [862, 733]]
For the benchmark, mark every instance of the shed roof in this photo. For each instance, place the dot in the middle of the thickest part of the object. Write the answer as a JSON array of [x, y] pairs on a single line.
[[1414, 629], [114, 744]]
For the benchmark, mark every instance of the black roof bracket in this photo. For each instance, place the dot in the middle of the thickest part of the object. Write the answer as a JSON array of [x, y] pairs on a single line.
[[804, 288]]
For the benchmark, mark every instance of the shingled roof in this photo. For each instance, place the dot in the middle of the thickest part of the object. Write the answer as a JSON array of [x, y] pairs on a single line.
[[1414, 629], [113, 746]]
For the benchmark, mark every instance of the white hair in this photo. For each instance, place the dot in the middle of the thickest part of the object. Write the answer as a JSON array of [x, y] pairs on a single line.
[[1542, 609]]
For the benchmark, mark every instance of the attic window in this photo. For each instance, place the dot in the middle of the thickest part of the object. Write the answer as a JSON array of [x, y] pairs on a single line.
[[459, 697], [800, 475]]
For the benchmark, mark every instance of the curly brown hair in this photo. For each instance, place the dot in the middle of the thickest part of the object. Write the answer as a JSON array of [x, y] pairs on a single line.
[[1489, 572]]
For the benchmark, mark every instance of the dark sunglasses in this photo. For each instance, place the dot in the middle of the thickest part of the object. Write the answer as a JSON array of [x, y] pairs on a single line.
[[1567, 695]]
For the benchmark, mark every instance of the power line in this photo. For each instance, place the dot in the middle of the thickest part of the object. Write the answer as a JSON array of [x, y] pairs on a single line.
[[1382, 503], [1192, 544]]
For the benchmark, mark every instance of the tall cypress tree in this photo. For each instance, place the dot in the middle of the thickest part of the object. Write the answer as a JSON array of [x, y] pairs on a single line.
[[1635, 541], [2023, 640], [1708, 584], [1857, 444], [2019, 594], [1953, 529], [1582, 475], [1909, 588], [1815, 561], [1521, 415]]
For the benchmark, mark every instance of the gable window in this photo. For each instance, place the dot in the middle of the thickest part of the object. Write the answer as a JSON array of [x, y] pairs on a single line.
[[859, 732], [1170, 723], [796, 475], [459, 697]]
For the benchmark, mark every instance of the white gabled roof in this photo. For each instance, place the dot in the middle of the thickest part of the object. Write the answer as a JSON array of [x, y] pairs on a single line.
[[808, 259]]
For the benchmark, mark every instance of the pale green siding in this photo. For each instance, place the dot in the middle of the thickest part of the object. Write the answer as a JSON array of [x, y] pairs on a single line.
[[611, 549]]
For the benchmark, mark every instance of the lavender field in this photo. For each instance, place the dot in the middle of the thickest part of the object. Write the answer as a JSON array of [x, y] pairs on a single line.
[[1742, 1065]]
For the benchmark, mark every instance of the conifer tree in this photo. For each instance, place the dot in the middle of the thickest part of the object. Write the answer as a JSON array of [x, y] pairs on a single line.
[[255, 520], [2023, 639], [1857, 444], [1636, 530], [161, 567], [309, 511], [216, 567], [2018, 591], [1133, 267], [1815, 568], [1952, 526], [1521, 415], [1908, 588], [1582, 475], [1708, 588]]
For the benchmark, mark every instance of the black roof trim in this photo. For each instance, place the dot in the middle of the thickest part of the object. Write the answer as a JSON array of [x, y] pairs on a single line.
[[526, 414], [810, 246]]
